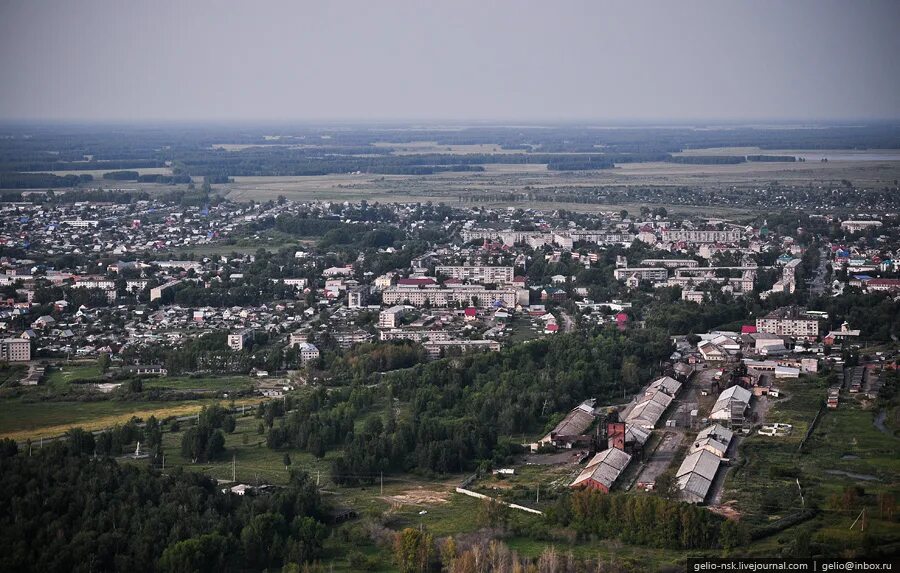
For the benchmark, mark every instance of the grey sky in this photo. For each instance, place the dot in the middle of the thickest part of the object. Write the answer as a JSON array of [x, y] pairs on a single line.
[[513, 60]]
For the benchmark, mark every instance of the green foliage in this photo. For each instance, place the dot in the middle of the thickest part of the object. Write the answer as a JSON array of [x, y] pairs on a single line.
[[61, 510], [646, 520]]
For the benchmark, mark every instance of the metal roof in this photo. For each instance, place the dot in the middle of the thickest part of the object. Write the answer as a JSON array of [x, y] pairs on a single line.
[[700, 462]]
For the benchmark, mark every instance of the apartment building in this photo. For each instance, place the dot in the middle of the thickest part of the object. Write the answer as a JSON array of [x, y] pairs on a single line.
[[671, 263], [389, 317], [652, 274], [701, 236], [237, 340], [481, 274], [789, 321], [474, 295], [15, 350]]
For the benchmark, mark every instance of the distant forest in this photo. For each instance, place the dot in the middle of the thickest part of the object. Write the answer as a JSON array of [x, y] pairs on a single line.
[[28, 153]]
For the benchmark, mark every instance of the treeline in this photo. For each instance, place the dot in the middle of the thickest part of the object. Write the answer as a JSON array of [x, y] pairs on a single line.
[[62, 510], [41, 180], [707, 159], [772, 158], [26, 165], [646, 520]]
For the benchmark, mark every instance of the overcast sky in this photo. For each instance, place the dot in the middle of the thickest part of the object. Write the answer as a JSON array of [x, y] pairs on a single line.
[[464, 60]]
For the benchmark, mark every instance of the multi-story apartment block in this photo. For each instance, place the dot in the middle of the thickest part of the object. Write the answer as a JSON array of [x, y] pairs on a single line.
[[237, 340], [670, 263], [701, 236], [789, 321], [482, 274], [15, 350], [652, 274], [389, 317], [466, 295]]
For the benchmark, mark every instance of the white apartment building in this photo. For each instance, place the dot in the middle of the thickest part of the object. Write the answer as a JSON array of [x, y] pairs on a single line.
[[652, 274], [15, 350], [308, 352], [236, 341], [789, 321], [670, 263], [856, 226], [414, 335], [466, 295], [482, 274], [701, 236], [389, 317]]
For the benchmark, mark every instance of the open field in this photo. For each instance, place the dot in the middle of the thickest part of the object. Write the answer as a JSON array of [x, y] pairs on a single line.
[[185, 383], [844, 451], [807, 154], [22, 420], [61, 378], [499, 179]]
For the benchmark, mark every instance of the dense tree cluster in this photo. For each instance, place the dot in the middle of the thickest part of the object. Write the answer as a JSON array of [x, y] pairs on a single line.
[[62, 510], [647, 520]]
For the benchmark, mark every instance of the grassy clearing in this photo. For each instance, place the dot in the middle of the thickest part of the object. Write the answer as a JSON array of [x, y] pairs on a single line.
[[764, 483], [21, 420], [185, 383], [61, 378]]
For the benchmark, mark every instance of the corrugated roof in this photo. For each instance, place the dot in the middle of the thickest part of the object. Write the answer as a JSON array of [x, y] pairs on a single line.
[[575, 423], [700, 462], [694, 487], [604, 468]]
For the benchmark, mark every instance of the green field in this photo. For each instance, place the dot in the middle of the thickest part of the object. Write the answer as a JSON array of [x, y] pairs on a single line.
[[22, 420], [60, 379], [206, 384], [763, 485]]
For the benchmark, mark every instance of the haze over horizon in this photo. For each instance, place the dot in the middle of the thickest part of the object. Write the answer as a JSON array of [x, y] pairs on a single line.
[[698, 61]]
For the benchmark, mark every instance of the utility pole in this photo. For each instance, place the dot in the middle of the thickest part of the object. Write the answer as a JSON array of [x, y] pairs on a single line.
[[164, 462], [233, 469], [538, 500], [317, 478], [382, 482]]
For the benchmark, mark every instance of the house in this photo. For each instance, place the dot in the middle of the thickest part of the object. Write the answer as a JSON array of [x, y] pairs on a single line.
[[603, 470], [43, 322], [711, 353]]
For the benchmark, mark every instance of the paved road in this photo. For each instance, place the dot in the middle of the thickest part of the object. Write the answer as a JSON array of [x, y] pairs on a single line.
[[662, 457], [817, 285]]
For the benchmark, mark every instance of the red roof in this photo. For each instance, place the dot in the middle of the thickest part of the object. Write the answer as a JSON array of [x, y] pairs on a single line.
[[621, 317], [471, 311], [748, 329]]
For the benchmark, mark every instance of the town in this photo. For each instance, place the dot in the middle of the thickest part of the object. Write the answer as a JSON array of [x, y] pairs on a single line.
[[433, 287]]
